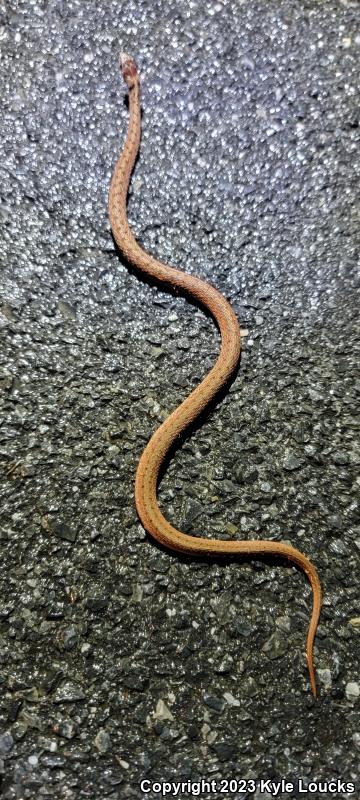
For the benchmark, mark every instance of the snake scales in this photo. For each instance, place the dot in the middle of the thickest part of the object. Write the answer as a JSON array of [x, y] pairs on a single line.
[[160, 443]]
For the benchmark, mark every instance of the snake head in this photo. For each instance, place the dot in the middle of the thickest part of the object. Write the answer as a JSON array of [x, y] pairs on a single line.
[[129, 70]]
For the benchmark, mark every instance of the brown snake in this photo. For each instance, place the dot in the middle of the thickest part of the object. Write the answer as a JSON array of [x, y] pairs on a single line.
[[160, 443]]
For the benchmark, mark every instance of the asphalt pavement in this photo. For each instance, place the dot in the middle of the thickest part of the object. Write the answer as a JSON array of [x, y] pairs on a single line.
[[124, 666]]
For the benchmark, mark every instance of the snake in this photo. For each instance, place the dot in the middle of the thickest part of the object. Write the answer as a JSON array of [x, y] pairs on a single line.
[[183, 417]]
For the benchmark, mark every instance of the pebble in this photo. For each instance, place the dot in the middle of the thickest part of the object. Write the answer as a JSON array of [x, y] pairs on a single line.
[[291, 462], [275, 646], [356, 740], [162, 711], [352, 691], [324, 676], [340, 458], [6, 743], [69, 693], [213, 702], [102, 741], [65, 729], [62, 530], [53, 762], [225, 751], [230, 699]]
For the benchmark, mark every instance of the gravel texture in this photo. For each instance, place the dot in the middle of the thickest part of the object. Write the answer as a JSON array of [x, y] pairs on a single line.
[[119, 661]]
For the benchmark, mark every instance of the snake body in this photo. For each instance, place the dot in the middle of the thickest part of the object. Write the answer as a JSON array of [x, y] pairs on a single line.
[[179, 420]]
